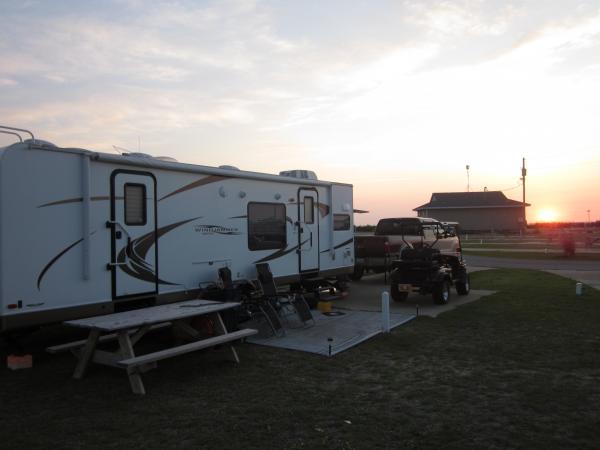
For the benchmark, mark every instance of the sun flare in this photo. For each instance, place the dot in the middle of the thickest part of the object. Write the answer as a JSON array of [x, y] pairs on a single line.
[[547, 215]]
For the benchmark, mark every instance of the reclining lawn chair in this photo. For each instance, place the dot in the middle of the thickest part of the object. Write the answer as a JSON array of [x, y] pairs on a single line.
[[283, 302], [255, 308]]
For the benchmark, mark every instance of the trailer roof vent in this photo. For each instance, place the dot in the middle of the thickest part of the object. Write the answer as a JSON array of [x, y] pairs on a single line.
[[299, 173], [228, 167], [39, 142], [166, 158]]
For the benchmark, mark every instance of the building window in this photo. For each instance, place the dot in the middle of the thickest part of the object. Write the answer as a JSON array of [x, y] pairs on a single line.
[[135, 204], [341, 222], [266, 226], [309, 211]]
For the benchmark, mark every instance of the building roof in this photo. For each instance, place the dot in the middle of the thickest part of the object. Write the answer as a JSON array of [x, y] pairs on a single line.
[[485, 199]]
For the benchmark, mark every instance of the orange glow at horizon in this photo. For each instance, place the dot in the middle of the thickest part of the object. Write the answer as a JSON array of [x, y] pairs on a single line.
[[547, 215]]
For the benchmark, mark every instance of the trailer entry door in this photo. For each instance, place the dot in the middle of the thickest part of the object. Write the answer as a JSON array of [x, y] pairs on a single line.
[[133, 228], [308, 235]]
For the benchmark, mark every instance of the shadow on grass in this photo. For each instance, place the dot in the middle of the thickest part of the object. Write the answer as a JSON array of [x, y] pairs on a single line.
[[519, 368]]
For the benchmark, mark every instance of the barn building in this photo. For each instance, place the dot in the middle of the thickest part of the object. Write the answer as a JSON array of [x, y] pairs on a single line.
[[475, 211]]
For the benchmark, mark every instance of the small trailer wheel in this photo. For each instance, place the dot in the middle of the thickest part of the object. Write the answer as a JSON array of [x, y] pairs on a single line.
[[441, 293]]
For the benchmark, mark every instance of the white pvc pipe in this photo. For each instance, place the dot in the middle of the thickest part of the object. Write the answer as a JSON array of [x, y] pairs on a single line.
[[578, 288], [385, 312]]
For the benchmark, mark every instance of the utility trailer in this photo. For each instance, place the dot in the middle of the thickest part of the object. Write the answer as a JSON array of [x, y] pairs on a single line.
[[84, 233]]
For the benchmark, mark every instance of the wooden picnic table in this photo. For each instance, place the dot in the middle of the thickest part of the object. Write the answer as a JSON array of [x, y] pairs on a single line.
[[130, 326]]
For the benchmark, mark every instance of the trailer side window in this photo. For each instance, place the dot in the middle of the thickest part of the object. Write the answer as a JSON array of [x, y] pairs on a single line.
[[266, 226], [309, 211], [135, 204], [341, 222]]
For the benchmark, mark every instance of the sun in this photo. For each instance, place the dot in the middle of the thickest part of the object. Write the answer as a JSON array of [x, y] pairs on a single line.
[[547, 215]]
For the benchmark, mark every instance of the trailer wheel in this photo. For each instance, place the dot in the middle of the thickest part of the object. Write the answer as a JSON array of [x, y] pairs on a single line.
[[441, 293], [358, 273], [463, 287], [397, 295]]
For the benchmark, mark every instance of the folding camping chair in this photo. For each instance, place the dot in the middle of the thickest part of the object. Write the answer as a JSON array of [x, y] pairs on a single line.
[[256, 308], [283, 302]]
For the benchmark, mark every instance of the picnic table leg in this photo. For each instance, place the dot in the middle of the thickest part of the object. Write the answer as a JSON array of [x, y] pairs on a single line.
[[137, 385], [220, 329], [85, 356]]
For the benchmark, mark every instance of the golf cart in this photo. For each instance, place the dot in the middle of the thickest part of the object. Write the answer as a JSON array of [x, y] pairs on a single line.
[[423, 268]]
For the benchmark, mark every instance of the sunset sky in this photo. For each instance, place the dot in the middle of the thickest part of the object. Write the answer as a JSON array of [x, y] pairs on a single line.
[[394, 97]]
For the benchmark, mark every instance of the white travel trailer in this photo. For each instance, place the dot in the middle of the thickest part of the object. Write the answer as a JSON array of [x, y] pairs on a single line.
[[82, 232]]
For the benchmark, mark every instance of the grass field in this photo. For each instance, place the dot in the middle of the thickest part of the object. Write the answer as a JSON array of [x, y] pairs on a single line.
[[511, 245], [518, 369], [534, 255]]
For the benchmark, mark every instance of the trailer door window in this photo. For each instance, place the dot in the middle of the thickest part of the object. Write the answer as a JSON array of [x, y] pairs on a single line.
[[135, 204], [266, 226], [341, 222], [309, 212]]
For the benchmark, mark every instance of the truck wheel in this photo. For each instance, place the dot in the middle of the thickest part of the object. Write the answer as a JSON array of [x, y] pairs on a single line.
[[358, 273], [464, 286], [441, 293], [397, 296]]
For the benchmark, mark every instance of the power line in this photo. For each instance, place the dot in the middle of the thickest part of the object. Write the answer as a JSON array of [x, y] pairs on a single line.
[[511, 188]]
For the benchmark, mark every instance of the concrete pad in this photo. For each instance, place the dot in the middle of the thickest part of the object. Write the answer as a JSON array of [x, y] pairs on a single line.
[[365, 295], [357, 317], [345, 329]]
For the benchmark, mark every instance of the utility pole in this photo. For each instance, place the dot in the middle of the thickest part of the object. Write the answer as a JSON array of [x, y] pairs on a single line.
[[523, 175], [468, 180]]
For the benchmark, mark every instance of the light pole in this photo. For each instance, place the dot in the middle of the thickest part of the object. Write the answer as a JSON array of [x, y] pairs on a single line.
[[468, 180], [523, 175]]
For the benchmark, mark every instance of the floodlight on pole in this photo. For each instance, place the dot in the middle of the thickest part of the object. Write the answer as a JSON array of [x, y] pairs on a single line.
[[468, 179], [523, 175]]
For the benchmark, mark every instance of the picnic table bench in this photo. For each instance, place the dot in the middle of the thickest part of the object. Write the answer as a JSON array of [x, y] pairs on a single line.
[[130, 326]]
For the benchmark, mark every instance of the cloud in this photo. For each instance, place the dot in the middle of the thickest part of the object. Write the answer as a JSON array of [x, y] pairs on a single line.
[[462, 18], [7, 82], [395, 81]]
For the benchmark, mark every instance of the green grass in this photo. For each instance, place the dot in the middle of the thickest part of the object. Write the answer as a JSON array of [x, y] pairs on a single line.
[[534, 255], [517, 369], [514, 245]]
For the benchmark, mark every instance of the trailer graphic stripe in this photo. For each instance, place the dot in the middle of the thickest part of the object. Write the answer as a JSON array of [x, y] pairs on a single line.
[[56, 258], [280, 253], [78, 199], [203, 181], [340, 245], [323, 209], [134, 254]]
